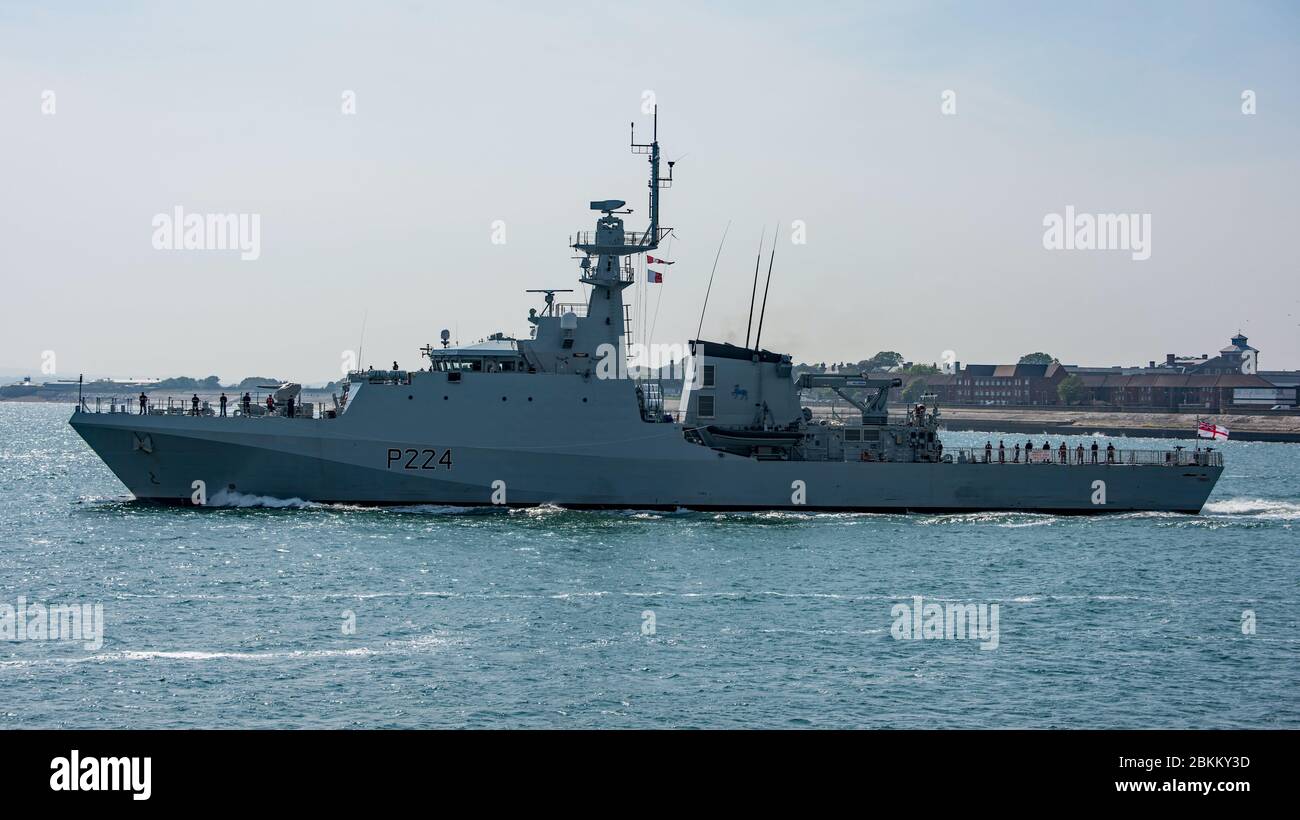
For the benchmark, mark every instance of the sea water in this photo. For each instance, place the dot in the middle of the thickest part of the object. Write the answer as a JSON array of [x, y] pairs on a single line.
[[271, 612]]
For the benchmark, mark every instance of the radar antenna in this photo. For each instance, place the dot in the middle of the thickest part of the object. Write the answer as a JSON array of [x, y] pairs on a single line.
[[550, 297]]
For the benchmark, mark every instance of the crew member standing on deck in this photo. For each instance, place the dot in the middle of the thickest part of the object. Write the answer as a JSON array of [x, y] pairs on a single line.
[[1029, 448], [1015, 454], [1078, 452], [1063, 452], [1110, 453], [988, 451], [194, 405], [1094, 452], [288, 407], [248, 404], [270, 405], [1002, 452], [144, 403], [223, 404]]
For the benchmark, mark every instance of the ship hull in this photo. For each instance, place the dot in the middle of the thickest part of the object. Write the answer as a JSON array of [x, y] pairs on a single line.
[[179, 459]]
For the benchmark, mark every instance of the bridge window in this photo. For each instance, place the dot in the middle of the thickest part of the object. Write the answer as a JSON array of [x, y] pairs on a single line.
[[709, 377], [705, 407], [852, 434]]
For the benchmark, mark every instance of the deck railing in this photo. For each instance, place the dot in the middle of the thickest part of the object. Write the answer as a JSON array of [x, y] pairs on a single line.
[[1177, 457], [172, 406], [630, 238]]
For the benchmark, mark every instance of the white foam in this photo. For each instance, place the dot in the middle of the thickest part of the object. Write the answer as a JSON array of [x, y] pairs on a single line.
[[540, 511], [232, 498], [438, 509], [423, 643], [1005, 518], [1255, 508]]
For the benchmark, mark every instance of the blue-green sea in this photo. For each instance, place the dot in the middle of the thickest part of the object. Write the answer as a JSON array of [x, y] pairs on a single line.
[[279, 613]]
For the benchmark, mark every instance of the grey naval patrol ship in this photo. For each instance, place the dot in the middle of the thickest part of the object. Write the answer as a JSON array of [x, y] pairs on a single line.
[[526, 422]]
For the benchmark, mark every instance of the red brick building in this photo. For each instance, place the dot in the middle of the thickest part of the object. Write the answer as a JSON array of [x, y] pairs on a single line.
[[993, 384], [1170, 391]]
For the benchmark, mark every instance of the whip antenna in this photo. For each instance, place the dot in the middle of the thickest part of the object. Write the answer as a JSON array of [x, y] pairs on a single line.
[[750, 321], [362, 345], [710, 287], [763, 311]]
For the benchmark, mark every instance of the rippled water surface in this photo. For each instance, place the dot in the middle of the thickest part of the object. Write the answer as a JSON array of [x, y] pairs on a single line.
[[235, 616]]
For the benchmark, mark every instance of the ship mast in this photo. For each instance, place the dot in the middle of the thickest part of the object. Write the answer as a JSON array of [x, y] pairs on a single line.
[[604, 265], [656, 181]]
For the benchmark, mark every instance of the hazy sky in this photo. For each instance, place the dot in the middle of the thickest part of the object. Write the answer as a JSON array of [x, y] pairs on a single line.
[[924, 230]]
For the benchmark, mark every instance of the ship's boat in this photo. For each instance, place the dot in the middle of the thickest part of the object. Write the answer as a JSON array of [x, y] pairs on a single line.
[[760, 443]]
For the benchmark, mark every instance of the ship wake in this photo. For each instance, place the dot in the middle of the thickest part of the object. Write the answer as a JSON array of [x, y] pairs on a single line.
[[1257, 508]]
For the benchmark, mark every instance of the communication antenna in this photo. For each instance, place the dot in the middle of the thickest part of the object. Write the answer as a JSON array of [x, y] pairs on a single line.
[[362, 345], [763, 312], [710, 287], [753, 292]]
